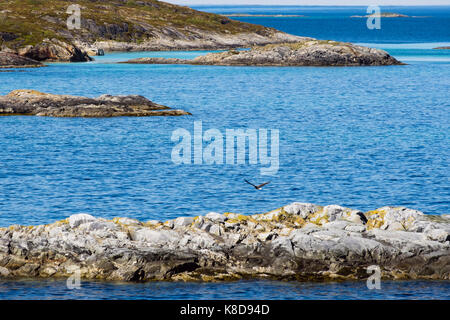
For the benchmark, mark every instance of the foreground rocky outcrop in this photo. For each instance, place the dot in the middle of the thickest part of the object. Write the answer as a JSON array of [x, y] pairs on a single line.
[[10, 60], [39, 29], [304, 53], [31, 102], [299, 241]]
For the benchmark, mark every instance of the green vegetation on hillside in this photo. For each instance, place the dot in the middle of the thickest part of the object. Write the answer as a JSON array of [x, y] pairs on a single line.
[[28, 22]]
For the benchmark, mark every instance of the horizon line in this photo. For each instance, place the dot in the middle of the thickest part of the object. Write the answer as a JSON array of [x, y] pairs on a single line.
[[310, 5]]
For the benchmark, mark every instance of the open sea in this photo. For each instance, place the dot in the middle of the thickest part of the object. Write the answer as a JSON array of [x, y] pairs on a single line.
[[361, 137]]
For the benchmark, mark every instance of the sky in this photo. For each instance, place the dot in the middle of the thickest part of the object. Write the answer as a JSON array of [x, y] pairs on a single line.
[[314, 2]]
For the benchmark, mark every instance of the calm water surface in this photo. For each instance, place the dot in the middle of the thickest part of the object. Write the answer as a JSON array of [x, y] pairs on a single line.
[[362, 137], [267, 290]]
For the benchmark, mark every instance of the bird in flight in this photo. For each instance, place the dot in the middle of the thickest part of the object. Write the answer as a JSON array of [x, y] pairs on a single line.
[[259, 186]]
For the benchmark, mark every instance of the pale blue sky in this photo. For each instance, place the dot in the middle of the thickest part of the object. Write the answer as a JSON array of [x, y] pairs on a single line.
[[315, 2]]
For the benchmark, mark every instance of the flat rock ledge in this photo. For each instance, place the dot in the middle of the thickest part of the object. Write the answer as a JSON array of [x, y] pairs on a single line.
[[300, 241], [11, 60], [31, 102], [303, 53]]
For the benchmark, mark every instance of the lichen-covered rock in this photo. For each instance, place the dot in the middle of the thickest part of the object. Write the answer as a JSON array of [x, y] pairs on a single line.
[[78, 219], [300, 241], [309, 52], [393, 218], [31, 102]]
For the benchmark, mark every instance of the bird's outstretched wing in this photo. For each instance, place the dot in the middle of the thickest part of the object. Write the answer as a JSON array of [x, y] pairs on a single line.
[[263, 184], [250, 183]]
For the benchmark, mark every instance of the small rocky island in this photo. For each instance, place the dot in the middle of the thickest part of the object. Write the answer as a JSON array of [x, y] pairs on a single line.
[[242, 15], [300, 241], [309, 52], [11, 60], [442, 48], [31, 102], [383, 15]]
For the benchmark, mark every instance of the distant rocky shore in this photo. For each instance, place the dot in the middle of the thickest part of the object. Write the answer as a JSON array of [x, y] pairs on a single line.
[[10, 60], [442, 48], [300, 241], [309, 52], [31, 102]]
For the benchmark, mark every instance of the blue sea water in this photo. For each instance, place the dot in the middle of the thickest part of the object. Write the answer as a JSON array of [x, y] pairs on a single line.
[[254, 290], [362, 137]]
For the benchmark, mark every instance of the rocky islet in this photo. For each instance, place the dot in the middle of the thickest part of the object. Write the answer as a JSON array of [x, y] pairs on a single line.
[[309, 52], [32, 102], [300, 241]]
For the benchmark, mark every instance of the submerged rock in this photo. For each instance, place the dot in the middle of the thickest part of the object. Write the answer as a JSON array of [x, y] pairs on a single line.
[[301, 241], [11, 60], [31, 102], [309, 52]]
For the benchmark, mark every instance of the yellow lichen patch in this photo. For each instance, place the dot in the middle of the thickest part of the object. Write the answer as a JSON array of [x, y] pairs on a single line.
[[151, 224], [271, 216], [20, 92], [117, 220], [230, 214], [239, 218], [195, 221], [375, 218], [59, 223], [406, 224], [64, 221], [319, 218], [380, 212], [274, 211], [289, 220]]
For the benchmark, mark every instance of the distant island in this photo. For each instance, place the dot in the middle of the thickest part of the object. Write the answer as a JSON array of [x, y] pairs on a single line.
[[38, 29], [262, 15], [383, 15], [442, 48]]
